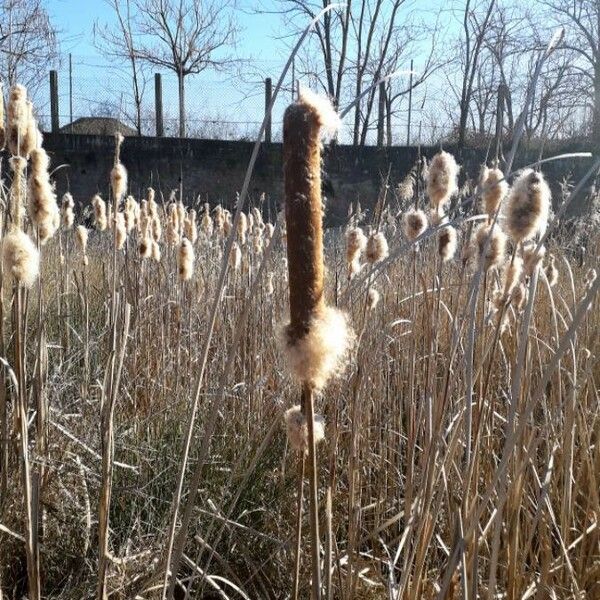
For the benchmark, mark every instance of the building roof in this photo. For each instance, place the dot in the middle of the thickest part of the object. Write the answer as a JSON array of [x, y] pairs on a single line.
[[98, 126]]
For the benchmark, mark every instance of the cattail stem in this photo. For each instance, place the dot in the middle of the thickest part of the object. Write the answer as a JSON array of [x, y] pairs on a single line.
[[298, 549]]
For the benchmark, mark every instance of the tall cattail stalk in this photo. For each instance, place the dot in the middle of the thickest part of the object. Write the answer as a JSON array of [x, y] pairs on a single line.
[[306, 336]]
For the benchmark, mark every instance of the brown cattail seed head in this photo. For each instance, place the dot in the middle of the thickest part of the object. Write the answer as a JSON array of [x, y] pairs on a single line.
[[493, 189], [551, 271], [316, 338], [118, 175], [447, 243], [415, 224], [377, 248], [100, 218], [297, 429], [185, 260], [528, 206], [441, 180], [493, 255], [21, 258]]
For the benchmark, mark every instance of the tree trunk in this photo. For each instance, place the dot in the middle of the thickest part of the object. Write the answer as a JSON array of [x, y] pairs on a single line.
[[596, 114], [180, 81]]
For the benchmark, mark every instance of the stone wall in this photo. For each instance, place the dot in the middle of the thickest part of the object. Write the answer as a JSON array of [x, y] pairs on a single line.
[[214, 170]]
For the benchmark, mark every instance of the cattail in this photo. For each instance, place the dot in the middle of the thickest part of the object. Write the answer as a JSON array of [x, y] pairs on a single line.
[[219, 220], [152, 206], [67, 214], [493, 189], [118, 174], [512, 277], [100, 219], [17, 121], [81, 237], [155, 251], [316, 339], [441, 180], [415, 224], [190, 229], [21, 257], [206, 224], [235, 258], [447, 243], [531, 258], [131, 213], [181, 214], [250, 221], [528, 206], [172, 233], [42, 206], [185, 260], [32, 138], [372, 298], [257, 217], [227, 223], [120, 230], [269, 230], [519, 296], [257, 240], [551, 271], [377, 248], [356, 242], [242, 228], [496, 245], [17, 189], [297, 429], [406, 188], [270, 284]]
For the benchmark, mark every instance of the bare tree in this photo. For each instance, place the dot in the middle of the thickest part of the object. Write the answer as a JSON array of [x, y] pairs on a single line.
[[582, 19], [184, 36], [27, 41], [119, 43]]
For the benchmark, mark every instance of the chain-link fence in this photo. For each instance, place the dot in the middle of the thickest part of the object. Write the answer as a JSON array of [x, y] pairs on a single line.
[[229, 108]]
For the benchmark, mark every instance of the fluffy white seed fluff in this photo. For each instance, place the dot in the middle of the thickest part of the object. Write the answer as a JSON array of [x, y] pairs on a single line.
[[67, 215], [414, 223], [329, 120], [297, 429], [185, 260], [441, 179], [21, 258], [377, 248]]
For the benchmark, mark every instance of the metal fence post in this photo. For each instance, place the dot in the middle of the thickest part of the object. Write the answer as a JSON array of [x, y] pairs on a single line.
[[54, 121], [160, 130], [268, 96]]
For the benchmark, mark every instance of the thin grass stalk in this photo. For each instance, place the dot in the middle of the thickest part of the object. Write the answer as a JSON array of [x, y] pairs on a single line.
[[298, 529]]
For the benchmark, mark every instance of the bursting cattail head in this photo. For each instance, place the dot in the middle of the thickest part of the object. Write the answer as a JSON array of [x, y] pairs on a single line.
[[131, 213], [155, 251], [528, 206], [190, 229], [220, 219], [551, 271], [118, 174], [441, 179], [81, 237], [32, 138], [492, 252], [377, 248], [185, 260], [242, 228], [17, 189], [356, 242], [520, 295], [152, 206], [100, 218], [415, 224], [67, 214], [447, 243], [317, 338], [235, 258], [372, 298], [120, 230], [20, 257], [406, 188], [297, 429], [17, 120], [43, 209], [511, 278], [269, 231], [493, 189], [531, 258]]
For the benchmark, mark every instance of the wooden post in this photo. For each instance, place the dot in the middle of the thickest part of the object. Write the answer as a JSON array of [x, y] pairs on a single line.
[[381, 115], [268, 96], [160, 130], [54, 101]]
